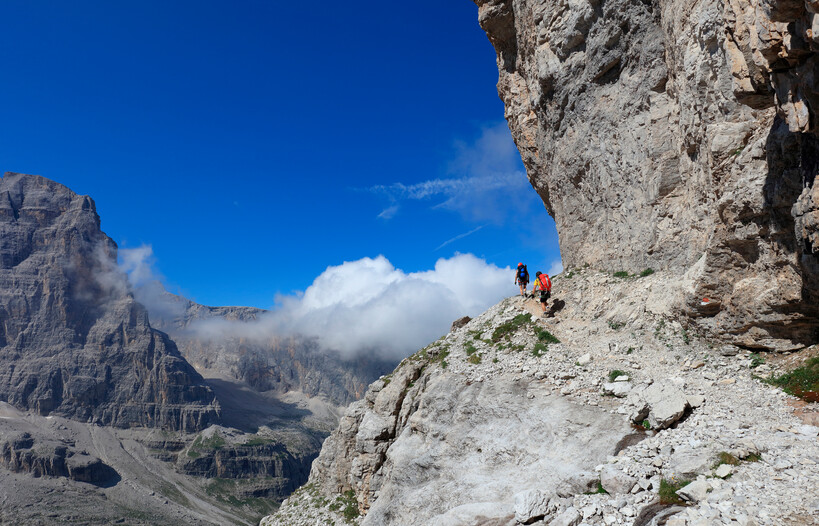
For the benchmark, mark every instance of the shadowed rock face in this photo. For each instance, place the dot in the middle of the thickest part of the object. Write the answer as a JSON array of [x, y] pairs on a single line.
[[671, 136], [73, 341]]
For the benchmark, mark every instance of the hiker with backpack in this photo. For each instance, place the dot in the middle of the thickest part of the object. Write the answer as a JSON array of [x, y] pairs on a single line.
[[543, 283], [522, 278]]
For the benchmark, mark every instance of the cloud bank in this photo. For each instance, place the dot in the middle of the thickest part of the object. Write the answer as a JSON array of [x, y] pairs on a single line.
[[369, 304], [363, 306]]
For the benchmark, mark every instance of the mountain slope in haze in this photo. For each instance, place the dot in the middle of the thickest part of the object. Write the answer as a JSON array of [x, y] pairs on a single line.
[[73, 341], [232, 342]]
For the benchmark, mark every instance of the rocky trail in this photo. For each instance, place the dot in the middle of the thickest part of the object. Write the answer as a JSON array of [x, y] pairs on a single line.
[[497, 424]]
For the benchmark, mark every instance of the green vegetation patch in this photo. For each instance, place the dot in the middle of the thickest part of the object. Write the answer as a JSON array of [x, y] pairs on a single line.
[[347, 505], [647, 272], [621, 274], [613, 374], [802, 382], [669, 489], [615, 326], [546, 337], [510, 327], [599, 490], [226, 490], [756, 360], [540, 349], [201, 444], [470, 349], [474, 359], [726, 458]]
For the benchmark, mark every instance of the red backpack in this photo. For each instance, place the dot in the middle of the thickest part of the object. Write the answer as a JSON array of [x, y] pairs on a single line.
[[545, 284]]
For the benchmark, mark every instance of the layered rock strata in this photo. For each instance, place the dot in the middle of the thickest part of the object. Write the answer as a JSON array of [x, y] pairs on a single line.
[[270, 464], [73, 341], [676, 136], [55, 458]]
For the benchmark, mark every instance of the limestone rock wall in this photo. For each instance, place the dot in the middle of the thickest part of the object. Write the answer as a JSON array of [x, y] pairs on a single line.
[[675, 136], [73, 341]]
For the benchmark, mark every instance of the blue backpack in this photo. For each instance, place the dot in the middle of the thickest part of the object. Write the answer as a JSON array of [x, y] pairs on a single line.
[[523, 274]]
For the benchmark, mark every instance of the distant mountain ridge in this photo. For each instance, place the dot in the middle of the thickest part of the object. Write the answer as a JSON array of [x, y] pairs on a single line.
[[73, 341], [279, 363]]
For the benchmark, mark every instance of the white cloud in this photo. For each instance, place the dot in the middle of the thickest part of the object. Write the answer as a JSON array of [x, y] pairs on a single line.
[[389, 212], [487, 182], [556, 267], [459, 236], [139, 264], [370, 306]]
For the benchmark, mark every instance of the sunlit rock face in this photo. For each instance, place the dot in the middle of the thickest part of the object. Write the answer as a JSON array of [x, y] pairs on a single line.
[[673, 135], [73, 341]]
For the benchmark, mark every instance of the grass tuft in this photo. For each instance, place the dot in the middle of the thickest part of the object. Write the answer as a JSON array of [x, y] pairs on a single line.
[[599, 490], [802, 381], [613, 374], [546, 337], [756, 360], [510, 327], [540, 349], [621, 274], [669, 489], [726, 458], [647, 272]]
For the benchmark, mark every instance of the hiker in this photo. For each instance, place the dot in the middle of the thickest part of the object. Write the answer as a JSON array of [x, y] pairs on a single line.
[[543, 283], [522, 278]]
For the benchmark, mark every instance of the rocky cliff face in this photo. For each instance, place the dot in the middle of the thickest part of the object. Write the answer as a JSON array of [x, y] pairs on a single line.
[[675, 136], [515, 419], [73, 341]]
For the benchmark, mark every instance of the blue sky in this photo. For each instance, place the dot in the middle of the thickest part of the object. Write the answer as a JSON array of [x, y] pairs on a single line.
[[254, 144]]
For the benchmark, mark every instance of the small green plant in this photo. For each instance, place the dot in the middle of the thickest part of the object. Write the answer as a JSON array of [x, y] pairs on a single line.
[[615, 373], [737, 151], [613, 325], [510, 327], [686, 337], [753, 457], [539, 350], [350, 503], [599, 490], [647, 272], [646, 425], [669, 489], [725, 458], [658, 330], [546, 337], [470, 349], [802, 381], [495, 360], [570, 274], [756, 360], [474, 359], [630, 350], [621, 274]]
